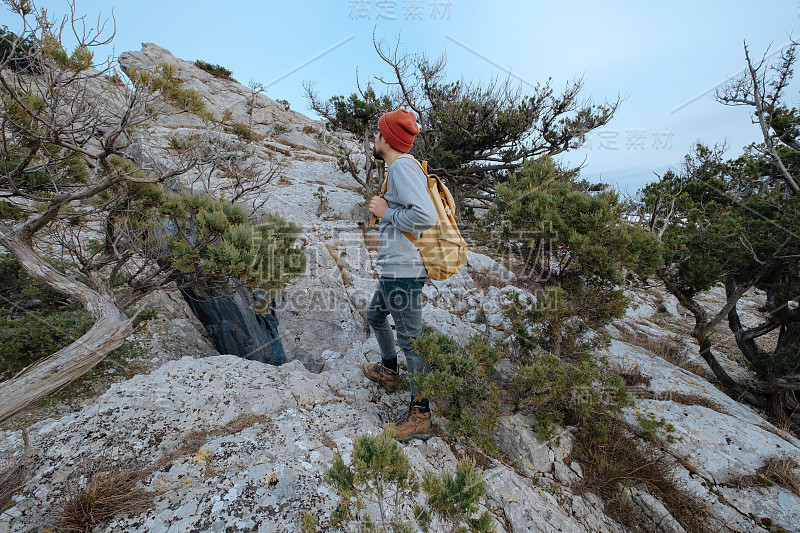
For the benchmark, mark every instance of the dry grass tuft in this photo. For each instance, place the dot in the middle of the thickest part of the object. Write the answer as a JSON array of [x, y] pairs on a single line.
[[617, 458], [243, 422], [696, 399], [106, 490], [110, 488], [633, 376], [668, 349], [482, 280], [372, 239], [774, 471], [328, 441], [782, 472]]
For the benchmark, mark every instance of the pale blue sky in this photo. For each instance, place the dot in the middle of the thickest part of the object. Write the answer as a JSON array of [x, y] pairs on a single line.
[[658, 56]]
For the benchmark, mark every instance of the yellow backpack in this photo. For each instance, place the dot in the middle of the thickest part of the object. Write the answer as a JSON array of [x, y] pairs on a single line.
[[443, 249]]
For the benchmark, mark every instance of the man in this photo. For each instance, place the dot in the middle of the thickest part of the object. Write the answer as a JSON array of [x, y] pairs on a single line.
[[406, 206]]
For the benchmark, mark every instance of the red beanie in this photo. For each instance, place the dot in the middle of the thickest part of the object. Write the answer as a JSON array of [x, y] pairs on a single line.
[[399, 129]]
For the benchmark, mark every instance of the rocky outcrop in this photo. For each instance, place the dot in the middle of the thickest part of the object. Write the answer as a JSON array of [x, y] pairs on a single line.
[[226, 443], [715, 441], [262, 438]]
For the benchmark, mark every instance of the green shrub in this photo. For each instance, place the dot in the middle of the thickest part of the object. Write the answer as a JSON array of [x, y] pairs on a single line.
[[452, 499], [379, 473], [217, 71], [244, 132], [468, 391], [164, 80], [653, 428], [36, 334], [462, 383], [324, 204], [571, 388], [576, 244], [36, 320]]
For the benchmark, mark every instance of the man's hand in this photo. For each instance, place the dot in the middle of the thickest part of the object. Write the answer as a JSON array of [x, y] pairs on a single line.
[[378, 206]]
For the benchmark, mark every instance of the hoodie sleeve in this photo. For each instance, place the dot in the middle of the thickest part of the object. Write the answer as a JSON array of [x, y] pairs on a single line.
[[415, 212]]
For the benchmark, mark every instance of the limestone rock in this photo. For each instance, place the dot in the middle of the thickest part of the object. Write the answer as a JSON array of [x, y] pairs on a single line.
[[489, 268], [652, 511], [528, 507], [218, 93], [518, 442]]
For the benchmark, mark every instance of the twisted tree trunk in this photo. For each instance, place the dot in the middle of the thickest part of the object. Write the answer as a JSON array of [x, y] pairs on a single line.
[[47, 375], [702, 333]]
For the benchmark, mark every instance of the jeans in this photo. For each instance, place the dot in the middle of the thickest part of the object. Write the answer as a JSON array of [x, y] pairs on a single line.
[[400, 297]]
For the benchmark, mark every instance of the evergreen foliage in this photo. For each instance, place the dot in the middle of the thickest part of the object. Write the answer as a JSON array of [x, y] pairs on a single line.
[[736, 222], [452, 498], [469, 392], [165, 81], [463, 383], [357, 114], [379, 473], [218, 71], [36, 321], [576, 245], [16, 52], [472, 135], [731, 222]]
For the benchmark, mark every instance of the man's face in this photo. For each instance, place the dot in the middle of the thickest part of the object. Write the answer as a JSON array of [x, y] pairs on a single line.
[[377, 146]]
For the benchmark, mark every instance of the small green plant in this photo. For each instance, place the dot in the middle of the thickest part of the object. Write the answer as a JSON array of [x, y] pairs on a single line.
[[164, 79], [180, 143], [571, 387], [279, 128], [217, 71], [653, 427], [322, 196], [308, 522], [244, 133], [452, 501], [380, 474], [462, 384]]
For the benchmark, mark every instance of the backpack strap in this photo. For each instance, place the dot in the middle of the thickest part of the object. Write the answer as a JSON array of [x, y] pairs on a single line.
[[424, 167]]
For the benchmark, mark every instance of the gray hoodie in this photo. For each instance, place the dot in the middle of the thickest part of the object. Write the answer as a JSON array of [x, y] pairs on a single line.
[[410, 209]]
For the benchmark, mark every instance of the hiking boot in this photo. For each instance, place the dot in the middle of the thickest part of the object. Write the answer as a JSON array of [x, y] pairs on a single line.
[[412, 425], [380, 374]]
